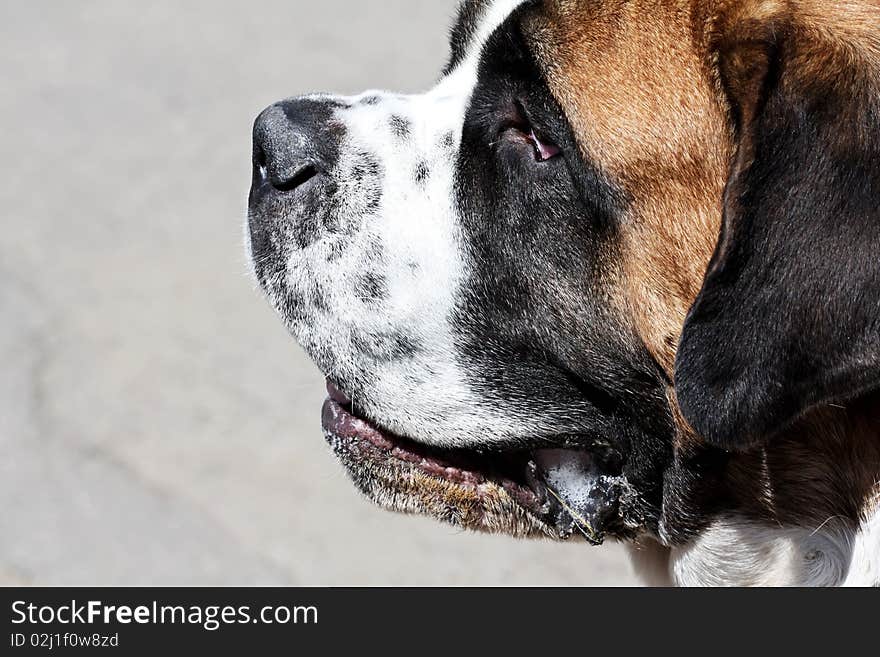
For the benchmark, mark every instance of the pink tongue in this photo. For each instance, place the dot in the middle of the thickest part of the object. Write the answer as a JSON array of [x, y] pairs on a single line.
[[336, 394]]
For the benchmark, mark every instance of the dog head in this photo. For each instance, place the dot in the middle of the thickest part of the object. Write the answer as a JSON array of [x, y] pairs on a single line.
[[495, 275]]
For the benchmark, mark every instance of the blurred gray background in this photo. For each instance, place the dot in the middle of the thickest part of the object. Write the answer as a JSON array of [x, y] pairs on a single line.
[[157, 424]]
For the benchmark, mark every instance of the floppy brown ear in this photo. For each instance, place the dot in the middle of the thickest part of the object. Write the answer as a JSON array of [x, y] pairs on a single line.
[[789, 313]]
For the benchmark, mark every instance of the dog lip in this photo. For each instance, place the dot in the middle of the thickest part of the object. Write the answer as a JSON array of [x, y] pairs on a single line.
[[336, 420], [530, 478], [364, 441], [337, 395], [371, 442]]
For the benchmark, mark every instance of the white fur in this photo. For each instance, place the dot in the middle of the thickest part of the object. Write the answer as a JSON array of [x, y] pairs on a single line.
[[733, 551], [864, 567]]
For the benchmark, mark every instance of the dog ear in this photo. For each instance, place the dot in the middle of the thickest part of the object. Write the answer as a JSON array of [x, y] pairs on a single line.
[[789, 313]]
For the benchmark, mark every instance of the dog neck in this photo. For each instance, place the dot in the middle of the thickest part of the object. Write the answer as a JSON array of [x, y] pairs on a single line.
[[803, 510]]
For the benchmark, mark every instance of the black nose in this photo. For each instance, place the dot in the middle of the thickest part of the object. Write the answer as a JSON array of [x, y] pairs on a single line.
[[294, 142]]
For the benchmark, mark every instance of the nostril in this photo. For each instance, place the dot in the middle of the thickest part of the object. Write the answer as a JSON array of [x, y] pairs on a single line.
[[259, 157], [261, 172], [298, 178]]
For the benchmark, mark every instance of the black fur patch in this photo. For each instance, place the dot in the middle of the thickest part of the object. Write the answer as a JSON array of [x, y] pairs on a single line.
[[400, 127], [372, 286], [532, 322], [421, 173], [366, 167]]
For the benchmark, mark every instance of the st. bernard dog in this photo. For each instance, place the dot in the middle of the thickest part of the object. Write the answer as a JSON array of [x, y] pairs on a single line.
[[616, 275]]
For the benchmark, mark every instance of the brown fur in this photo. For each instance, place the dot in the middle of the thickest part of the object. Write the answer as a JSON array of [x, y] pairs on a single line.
[[654, 89], [825, 468]]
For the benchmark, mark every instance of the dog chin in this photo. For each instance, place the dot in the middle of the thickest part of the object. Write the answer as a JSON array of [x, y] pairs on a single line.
[[548, 492]]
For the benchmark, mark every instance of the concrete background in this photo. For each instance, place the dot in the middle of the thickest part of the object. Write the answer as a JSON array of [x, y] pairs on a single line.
[[157, 424]]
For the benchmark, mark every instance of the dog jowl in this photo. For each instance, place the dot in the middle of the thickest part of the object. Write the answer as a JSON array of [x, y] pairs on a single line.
[[495, 275]]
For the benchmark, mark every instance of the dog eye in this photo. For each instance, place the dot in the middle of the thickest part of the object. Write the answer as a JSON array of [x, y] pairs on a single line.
[[544, 150], [518, 126]]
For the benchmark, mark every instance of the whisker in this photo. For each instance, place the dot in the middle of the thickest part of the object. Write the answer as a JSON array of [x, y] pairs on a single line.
[[580, 522]]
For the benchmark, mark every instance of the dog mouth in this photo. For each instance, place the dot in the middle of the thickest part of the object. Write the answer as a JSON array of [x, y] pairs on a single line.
[[544, 491]]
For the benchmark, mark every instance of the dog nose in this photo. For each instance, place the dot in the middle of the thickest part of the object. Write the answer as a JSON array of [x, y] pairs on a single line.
[[293, 144]]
